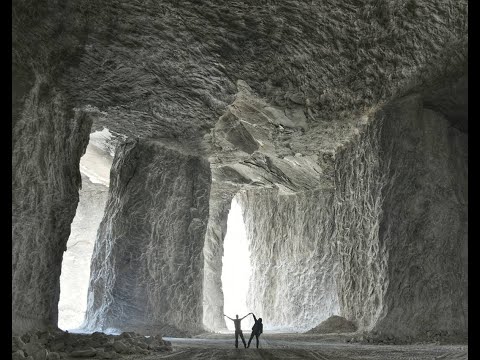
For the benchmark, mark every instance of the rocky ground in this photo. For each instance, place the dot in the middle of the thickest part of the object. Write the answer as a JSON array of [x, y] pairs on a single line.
[[56, 344], [132, 346], [303, 346]]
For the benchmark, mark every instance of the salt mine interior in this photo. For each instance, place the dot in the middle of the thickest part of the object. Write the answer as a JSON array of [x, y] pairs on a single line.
[[174, 162]]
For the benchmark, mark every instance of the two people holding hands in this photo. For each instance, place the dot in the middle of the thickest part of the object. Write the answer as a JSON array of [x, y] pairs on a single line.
[[257, 329]]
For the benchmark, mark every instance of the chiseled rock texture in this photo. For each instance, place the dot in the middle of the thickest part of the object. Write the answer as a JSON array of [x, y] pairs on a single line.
[[146, 271], [286, 96], [250, 146], [53, 344], [384, 246], [76, 259], [170, 67], [357, 207], [424, 222], [153, 68], [48, 141], [293, 266]]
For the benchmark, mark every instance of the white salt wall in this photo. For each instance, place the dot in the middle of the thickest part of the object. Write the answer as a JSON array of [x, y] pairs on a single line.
[[293, 265]]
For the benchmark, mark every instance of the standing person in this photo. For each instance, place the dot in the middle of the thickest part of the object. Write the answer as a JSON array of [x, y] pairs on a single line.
[[238, 329], [257, 329]]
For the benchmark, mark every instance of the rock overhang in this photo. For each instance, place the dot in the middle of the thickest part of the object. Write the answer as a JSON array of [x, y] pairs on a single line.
[[169, 69]]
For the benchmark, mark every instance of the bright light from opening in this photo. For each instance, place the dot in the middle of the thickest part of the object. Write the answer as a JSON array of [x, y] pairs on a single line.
[[236, 269], [74, 279]]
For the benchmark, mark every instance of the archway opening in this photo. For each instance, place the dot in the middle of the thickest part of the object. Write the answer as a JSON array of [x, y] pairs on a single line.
[[95, 167], [236, 268]]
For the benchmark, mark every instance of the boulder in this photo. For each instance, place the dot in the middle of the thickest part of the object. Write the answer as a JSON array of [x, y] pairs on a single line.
[[86, 353]]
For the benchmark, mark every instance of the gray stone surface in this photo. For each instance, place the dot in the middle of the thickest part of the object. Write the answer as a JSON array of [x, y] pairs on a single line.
[[119, 347], [284, 96], [266, 159], [53, 356], [86, 353], [357, 207], [96, 345], [17, 355], [293, 267], [17, 343], [355, 163], [395, 150], [48, 141], [147, 264], [175, 73], [424, 223]]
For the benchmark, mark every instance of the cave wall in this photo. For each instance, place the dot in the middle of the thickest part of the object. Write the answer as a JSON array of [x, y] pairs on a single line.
[[293, 264], [48, 141], [57, 66], [401, 223], [147, 265], [424, 222], [386, 247], [359, 182]]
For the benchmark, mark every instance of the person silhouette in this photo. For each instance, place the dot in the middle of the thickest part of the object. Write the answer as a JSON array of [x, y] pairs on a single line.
[[257, 329], [238, 329]]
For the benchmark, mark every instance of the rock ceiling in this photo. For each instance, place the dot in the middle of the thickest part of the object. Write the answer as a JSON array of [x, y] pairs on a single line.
[[169, 68]]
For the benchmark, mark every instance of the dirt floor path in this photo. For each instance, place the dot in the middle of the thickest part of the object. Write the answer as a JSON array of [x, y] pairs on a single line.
[[302, 346]]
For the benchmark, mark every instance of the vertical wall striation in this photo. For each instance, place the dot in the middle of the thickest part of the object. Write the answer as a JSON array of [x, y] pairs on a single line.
[[293, 266], [359, 183], [424, 222], [390, 239], [147, 266], [48, 141]]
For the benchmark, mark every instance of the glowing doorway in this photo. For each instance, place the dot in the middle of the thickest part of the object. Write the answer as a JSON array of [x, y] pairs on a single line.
[[95, 167], [236, 268]]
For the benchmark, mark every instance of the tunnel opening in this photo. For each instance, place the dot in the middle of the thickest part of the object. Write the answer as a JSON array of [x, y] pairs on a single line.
[[236, 268], [95, 167]]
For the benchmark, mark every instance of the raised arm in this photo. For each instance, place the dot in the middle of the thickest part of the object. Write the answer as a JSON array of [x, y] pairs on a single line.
[[228, 317], [254, 318], [245, 316]]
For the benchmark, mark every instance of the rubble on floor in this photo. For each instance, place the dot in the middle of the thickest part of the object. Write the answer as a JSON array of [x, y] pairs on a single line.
[[57, 344]]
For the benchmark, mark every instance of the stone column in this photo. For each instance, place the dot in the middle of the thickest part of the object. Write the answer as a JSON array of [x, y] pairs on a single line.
[[424, 223], [48, 141], [147, 265]]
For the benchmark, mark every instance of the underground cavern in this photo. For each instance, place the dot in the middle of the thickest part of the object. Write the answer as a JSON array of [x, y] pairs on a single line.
[[175, 161]]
